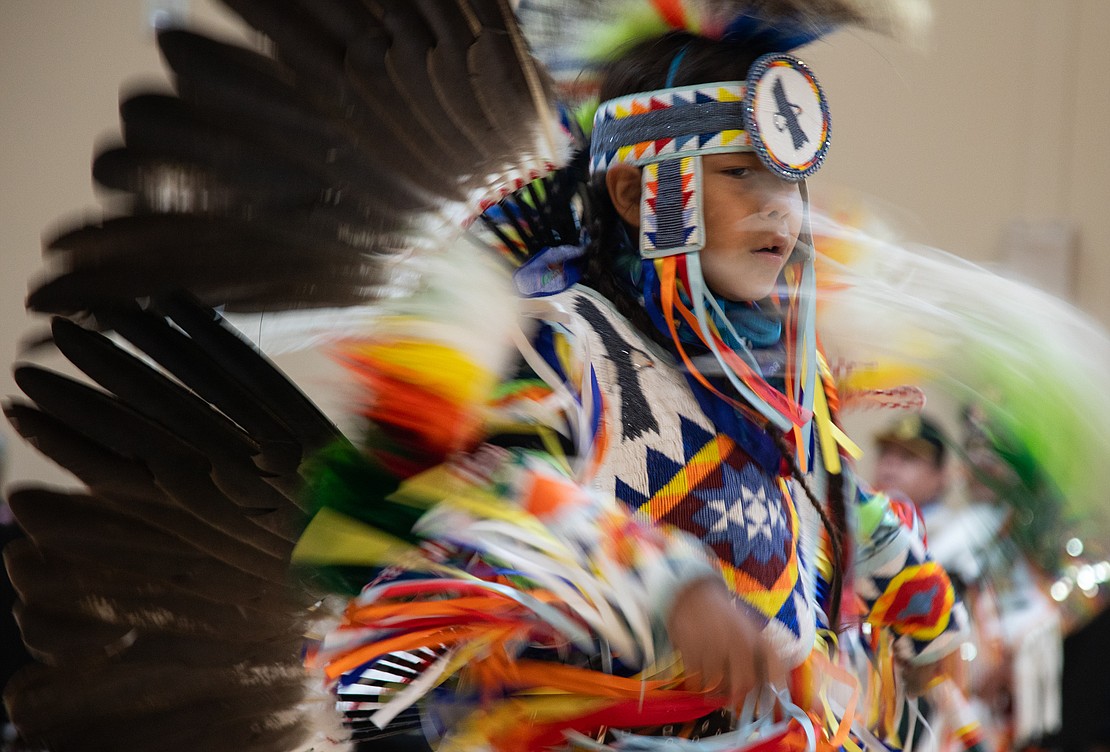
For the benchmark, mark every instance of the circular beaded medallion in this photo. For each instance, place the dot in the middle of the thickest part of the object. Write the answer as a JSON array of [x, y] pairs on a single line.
[[787, 116]]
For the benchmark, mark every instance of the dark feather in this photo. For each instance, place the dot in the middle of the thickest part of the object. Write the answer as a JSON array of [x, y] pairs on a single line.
[[320, 57], [144, 601], [310, 426], [241, 263], [178, 165], [150, 393], [101, 470], [193, 421], [291, 178], [181, 471], [297, 179], [57, 639], [201, 372], [257, 97], [118, 589], [452, 35], [313, 429], [164, 706], [130, 536]]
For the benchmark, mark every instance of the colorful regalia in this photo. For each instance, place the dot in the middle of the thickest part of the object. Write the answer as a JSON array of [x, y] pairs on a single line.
[[489, 559], [682, 437]]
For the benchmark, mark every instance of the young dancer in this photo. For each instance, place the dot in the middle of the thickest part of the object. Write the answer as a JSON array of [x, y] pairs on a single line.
[[652, 517]]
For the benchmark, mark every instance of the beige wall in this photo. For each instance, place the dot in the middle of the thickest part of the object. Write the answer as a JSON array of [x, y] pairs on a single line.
[[62, 66], [1000, 118]]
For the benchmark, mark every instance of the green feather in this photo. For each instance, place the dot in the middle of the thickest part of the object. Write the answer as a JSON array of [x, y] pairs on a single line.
[[348, 480]]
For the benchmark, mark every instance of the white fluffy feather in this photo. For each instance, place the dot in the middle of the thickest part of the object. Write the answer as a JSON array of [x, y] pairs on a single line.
[[1036, 363], [462, 297]]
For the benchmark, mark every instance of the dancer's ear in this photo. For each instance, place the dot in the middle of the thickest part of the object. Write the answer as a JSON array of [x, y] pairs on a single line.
[[623, 183]]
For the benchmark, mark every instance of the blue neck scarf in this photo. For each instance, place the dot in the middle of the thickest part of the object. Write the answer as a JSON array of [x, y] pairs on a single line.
[[757, 327]]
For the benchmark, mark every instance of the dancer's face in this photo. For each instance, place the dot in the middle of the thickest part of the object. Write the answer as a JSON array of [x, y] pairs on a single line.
[[752, 221]]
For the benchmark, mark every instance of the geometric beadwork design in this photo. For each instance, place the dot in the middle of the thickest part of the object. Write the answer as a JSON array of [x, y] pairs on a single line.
[[717, 493], [670, 208], [917, 601], [754, 529], [907, 592], [654, 125], [644, 102], [644, 152], [690, 474]]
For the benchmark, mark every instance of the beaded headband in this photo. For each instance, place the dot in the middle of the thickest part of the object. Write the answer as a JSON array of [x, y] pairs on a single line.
[[780, 113]]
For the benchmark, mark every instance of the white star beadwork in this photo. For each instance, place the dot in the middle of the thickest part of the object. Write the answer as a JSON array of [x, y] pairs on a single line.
[[751, 518], [764, 515], [728, 514]]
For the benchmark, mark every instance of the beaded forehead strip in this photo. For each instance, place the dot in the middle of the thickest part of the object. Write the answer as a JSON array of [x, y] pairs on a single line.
[[780, 113]]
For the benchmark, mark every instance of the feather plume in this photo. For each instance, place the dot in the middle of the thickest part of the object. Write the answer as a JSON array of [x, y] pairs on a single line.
[[176, 561], [899, 18], [574, 38], [297, 179], [891, 313]]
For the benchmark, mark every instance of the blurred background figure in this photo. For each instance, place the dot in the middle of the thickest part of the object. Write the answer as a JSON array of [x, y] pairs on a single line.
[[1019, 627], [997, 535], [912, 462]]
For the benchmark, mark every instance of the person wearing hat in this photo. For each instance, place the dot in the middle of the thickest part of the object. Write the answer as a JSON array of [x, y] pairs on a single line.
[[911, 463], [963, 537]]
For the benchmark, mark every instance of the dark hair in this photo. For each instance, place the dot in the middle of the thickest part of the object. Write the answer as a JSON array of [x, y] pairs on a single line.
[[647, 66], [680, 58]]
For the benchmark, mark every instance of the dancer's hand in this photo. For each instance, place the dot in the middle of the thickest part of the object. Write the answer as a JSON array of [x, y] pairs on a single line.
[[722, 645]]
